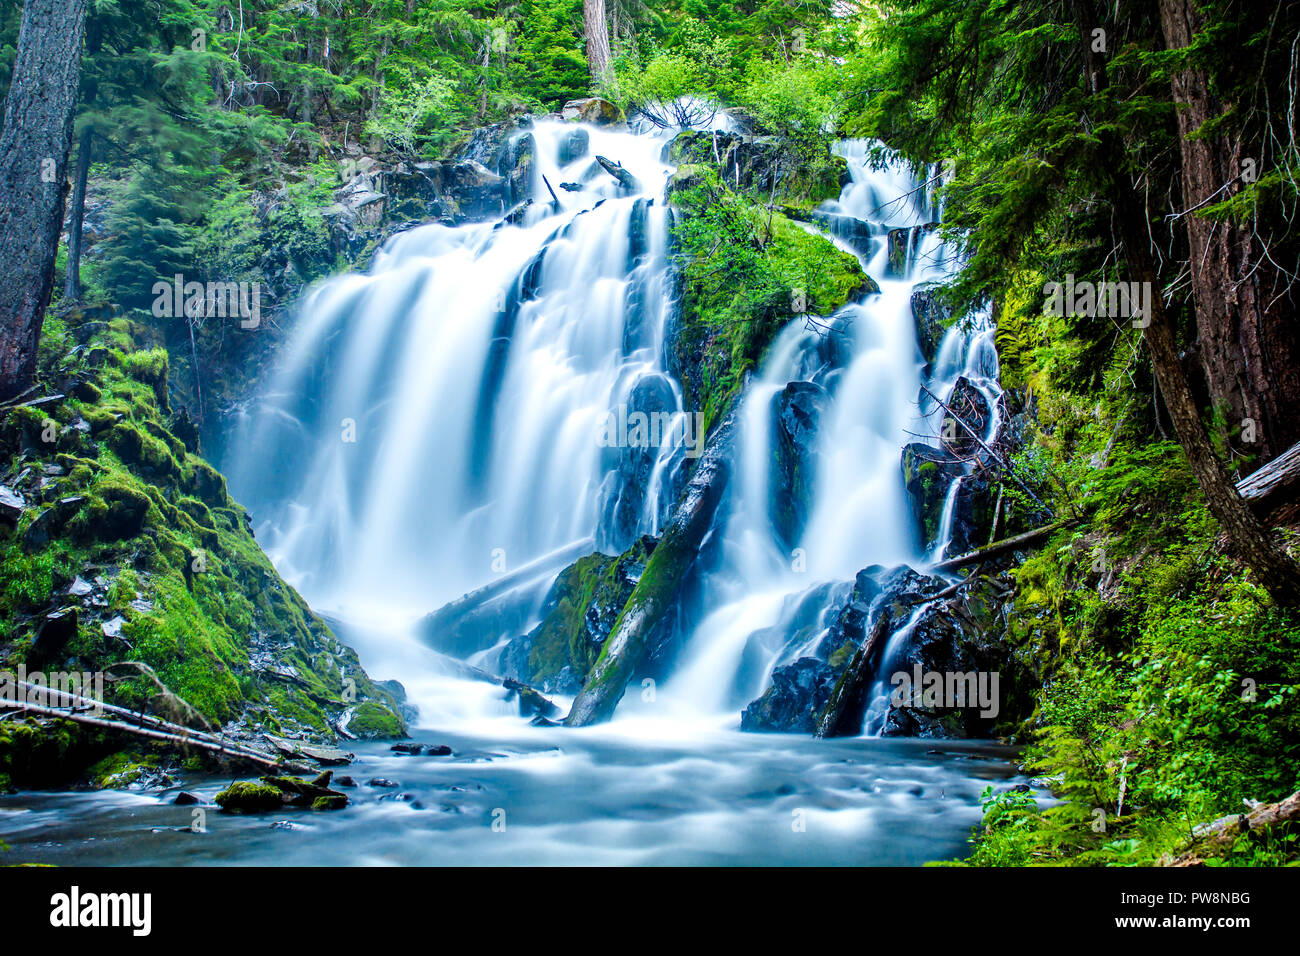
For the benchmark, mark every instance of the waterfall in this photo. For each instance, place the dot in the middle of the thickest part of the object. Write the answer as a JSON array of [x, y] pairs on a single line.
[[433, 423]]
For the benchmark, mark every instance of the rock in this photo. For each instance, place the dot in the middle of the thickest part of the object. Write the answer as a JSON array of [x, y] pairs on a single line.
[[58, 628], [437, 750], [572, 187], [186, 799], [407, 748], [113, 626], [929, 318], [574, 146], [40, 531], [80, 587], [517, 167], [345, 782], [249, 796], [477, 192], [335, 801], [382, 783], [796, 410], [12, 506], [796, 696], [530, 702], [623, 493], [970, 404], [902, 244], [323, 779], [592, 109], [928, 472]]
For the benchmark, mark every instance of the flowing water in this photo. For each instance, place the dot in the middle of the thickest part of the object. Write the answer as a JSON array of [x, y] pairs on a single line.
[[435, 423]]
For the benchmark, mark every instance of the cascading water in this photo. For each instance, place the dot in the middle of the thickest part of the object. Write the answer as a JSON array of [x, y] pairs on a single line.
[[435, 422]]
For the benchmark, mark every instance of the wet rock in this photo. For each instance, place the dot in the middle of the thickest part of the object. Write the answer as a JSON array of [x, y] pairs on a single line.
[[902, 244], [40, 531], [437, 750], [592, 109], [478, 193], [928, 472], [798, 693], [407, 748], [796, 410], [517, 167], [250, 796], [382, 783], [929, 318], [632, 462], [336, 801], [574, 146], [186, 799], [972, 407], [530, 702], [345, 782]]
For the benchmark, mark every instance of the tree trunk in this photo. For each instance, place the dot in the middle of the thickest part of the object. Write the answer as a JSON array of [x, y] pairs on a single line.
[[76, 216], [33, 176], [1275, 569], [1249, 341], [596, 29]]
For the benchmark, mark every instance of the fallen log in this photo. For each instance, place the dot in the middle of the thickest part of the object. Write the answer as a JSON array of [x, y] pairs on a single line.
[[1273, 492], [999, 548], [80, 718], [844, 712], [625, 178], [660, 583]]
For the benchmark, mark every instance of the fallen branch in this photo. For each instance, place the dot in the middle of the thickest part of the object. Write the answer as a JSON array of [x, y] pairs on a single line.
[[1273, 492], [187, 741], [999, 548]]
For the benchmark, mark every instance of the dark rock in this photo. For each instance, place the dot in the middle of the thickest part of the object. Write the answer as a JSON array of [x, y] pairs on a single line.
[[796, 410], [382, 783], [929, 318], [902, 244], [12, 506], [530, 702], [407, 748], [250, 796], [345, 782], [791, 704], [186, 799], [333, 801], [437, 750], [58, 628], [928, 472], [970, 404], [40, 531], [623, 493]]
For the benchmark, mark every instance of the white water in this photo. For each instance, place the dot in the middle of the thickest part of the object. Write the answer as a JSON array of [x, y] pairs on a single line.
[[456, 474]]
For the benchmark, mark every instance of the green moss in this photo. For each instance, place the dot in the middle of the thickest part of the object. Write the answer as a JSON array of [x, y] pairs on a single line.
[[249, 796], [371, 721]]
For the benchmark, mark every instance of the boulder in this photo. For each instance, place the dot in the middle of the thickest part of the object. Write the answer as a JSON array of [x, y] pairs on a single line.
[[592, 109], [796, 410], [928, 472], [798, 693], [574, 146], [250, 796], [929, 318], [12, 506]]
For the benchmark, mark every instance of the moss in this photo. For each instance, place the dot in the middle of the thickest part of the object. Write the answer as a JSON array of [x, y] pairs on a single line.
[[249, 796], [330, 803], [372, 721]]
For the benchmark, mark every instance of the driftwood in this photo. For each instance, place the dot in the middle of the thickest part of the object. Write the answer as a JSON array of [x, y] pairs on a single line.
[[659, 585], [1273, 492], [1217, 838], [842, 716], [625, 178], [999, 548]]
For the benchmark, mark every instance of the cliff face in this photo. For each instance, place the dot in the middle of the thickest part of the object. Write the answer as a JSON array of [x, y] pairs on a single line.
[[125, 556]]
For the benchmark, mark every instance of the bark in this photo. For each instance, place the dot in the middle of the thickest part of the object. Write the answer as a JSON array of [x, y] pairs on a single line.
[[1275, 569], [76, 217], [1273, 492], [1005, 546], [845, 711], [595, 25], [661, 581], [1249, 342], [33, 176]]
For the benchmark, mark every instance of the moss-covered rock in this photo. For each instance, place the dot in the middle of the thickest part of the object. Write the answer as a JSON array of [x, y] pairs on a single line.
[[175, 590], [249, 796]]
